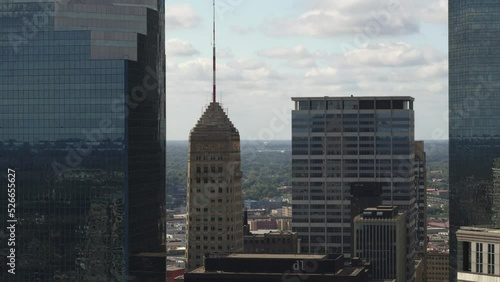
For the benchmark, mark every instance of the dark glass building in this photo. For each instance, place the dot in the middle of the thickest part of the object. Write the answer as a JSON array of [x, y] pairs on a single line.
[[474, 105], [347, 153], [82, 124]]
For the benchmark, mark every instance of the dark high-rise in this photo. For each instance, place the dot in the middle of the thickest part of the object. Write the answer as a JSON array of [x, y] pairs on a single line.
[[349, 153], [474, 105], [82, 124]]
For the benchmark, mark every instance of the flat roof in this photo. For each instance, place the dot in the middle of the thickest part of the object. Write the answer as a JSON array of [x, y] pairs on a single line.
[[278, 256], [480, 229], [174, 268], [271, 231], [150, 254], [346, 271], [409, 98]]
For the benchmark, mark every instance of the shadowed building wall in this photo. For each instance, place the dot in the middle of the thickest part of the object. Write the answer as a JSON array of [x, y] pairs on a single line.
[[82, 121]]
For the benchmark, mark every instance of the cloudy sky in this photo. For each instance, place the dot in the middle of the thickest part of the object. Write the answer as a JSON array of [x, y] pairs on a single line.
[[270, 51]]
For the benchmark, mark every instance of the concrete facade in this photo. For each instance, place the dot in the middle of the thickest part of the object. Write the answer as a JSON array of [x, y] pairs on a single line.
[[438, 268], [214, 197], [478, 254], [380, 237], [271, 242]]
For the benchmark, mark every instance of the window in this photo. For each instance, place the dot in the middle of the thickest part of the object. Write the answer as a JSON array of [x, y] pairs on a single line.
[[303, 105], [366, 104], [318, 105], [491, 259], [334, 105], [479, 257], [351, 105]]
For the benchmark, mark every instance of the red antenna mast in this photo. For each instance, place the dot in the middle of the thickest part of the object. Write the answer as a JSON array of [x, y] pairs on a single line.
[[214, 61]]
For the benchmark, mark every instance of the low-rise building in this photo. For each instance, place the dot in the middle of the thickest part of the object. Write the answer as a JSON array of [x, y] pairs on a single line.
[[277, 268], [478, 254], [438, 266], [259, 224], [380, 237], [174, 272], [271, 242]]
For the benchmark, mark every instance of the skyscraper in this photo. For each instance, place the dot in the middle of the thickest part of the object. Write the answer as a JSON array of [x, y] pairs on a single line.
[[474, 116], [82, 124], [340, 145], [214, 198]]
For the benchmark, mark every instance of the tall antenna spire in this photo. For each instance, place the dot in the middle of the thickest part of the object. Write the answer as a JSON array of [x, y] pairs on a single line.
[[214, 56]]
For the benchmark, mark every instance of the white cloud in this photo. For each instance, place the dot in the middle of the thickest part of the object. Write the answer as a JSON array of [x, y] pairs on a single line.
[[437, 69], [246, 64], [196, 69], [181, 16], [295, 52], [324, 73], [392, 55], [179, 47], [437, 12], [224, 53], [296, 57], [255, 88], [329, 18]]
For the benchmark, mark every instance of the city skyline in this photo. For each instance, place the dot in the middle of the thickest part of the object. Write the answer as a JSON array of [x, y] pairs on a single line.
[[274, 51]]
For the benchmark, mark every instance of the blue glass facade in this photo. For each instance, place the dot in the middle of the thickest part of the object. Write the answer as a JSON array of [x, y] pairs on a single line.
[[474, 104], [82, 122]]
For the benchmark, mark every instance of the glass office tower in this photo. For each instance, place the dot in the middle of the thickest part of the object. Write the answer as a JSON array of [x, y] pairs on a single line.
[[474, 104], [82, 123], [348, 154]]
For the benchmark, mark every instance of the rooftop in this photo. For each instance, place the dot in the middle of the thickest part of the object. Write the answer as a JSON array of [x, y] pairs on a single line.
[[406, 98], [271, 231], [214, 122], [278, 256], [495, 230]]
